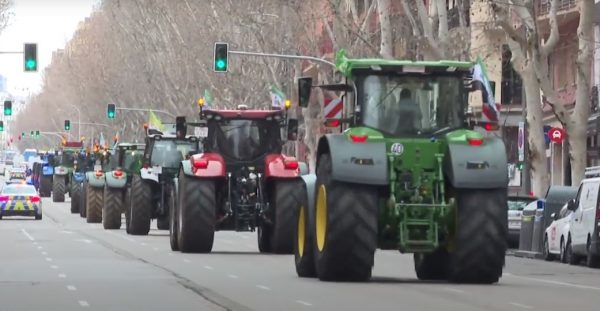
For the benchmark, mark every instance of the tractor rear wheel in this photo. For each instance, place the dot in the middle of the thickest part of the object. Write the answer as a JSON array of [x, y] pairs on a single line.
[[173, 226], [76, 198], [83, 200], [345, 227], [304, 257], [94, 204], [479, 250], [196, 210], [140, 210], [58, 189], [284, 198], [112, 207], [45, 185], [432, 266]]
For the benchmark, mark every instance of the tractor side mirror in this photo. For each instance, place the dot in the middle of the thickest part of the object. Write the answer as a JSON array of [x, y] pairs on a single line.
[[292, 130], [304, 90]]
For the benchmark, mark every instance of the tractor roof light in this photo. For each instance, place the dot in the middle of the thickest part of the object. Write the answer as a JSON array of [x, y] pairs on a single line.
[[288, 104], [201, 101]]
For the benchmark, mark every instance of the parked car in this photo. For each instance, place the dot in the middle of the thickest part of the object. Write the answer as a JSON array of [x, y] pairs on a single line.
[[583, 240], [556, 235], [516, 203]]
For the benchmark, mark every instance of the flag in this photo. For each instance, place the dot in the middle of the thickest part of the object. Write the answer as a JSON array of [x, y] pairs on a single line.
[[480, 80], [208, 99], [154, 122], [102, 140], [277, 97]]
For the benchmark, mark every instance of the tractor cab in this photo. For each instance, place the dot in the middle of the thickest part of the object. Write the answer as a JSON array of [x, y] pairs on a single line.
[[165, 150], [128, 157]]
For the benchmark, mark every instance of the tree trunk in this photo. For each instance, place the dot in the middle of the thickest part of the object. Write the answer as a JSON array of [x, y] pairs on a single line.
[[577, 128], [535, 138], [386, 49]]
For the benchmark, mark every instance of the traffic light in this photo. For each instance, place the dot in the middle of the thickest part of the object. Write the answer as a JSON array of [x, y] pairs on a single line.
[[1, 126], [67, 125], [37, 134], [221, 57], [111, 111], [30, 60], [32, 134], [520, 166], [8, 108], [23, 134]]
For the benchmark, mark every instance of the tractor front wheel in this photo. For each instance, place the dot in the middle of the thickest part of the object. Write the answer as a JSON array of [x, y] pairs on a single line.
[[196, 211], [284, 198], [58, 188], [76, 198], [45, 186], [431, 266], [83, 200], [479, 250], [345, 227], [94, 204], [140, 210], [304, 257], [112, 207]]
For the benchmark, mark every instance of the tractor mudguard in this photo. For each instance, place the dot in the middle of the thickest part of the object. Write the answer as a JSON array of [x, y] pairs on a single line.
[[47, 170], [61, 171], [364, 163], [477, 167], [275, 166], [146, 173], [95, 181], [186, 166], [113, 181], [208, 165]]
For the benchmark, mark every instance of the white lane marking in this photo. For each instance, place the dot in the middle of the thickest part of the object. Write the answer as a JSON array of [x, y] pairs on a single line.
[[208, 268], [48, 259], [85, 241], [455, 290], [553, 282], [62, 276], [39, 247], [516, 304], [263, 287], [143, 244], [302, 302], [27, 234], [187, 260], [71, 288], [170, 254], [35, 243], [84, 303], [156, 248], [67, 232], [44, 253], [54, 267], [233, 276]]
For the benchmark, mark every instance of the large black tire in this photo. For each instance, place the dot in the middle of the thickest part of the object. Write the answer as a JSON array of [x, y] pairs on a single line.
[[76, 198], [127, 209], [83, 205], [196, 209], [162, 222], [304, 255], [479, 246], [45, 186], [346, 227], [571, 258], [263, 235], [173, 226], [284, 199], [592, 261], [112, 207], [140, 211], [546, 251], [94, 198], [431, 266], [58, 188]]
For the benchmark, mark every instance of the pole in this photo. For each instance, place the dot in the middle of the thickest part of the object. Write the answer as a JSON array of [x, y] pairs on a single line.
[[526, 176], [285, 56]]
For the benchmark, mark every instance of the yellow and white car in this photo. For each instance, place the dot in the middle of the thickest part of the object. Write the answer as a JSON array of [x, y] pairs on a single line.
[[20, 200]]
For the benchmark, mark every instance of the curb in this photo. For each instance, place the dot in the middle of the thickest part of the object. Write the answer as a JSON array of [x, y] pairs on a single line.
[[526, 254]]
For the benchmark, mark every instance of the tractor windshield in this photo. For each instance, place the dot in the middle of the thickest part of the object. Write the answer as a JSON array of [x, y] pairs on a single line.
[[411, 104], [67, 157], [132, 160], [168, 153], [244, 140]]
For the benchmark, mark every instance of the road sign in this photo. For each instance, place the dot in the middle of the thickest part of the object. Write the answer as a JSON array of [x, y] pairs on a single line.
[[333, 108], [556, 135], [521, 141]]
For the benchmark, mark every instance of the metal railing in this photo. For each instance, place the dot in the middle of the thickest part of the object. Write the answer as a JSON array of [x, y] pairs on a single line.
[[543, 7]]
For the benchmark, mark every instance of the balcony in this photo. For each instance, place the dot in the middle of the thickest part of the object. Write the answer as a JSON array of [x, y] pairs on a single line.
[[543, 7]]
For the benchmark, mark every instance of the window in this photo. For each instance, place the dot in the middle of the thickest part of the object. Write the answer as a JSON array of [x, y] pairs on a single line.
[[512, 85]]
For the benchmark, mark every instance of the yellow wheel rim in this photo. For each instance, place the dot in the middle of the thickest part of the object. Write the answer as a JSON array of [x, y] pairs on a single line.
[[301, 232], [321, 215]]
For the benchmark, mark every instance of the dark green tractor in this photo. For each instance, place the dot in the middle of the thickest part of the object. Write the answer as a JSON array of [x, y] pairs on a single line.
[[411, 169]]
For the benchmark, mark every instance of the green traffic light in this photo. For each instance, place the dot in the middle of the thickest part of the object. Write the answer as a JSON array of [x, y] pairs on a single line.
[[221, 64], [31, 64], [111, 115], [7, 112]]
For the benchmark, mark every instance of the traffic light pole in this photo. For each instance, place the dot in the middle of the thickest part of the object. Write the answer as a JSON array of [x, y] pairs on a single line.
[[145, 109], [78, 123]]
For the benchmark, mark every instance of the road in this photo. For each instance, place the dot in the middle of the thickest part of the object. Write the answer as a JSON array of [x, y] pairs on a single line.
[[63, 263]]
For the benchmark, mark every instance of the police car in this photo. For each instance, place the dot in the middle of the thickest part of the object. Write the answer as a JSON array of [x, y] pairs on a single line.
[[20, 199]]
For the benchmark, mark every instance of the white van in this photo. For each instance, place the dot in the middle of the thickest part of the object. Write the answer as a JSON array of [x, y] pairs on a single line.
[[584, 240]]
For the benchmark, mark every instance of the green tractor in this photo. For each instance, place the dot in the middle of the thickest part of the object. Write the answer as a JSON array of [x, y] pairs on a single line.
[[411, 170], [93, 185], [127, 161], [63, 170]]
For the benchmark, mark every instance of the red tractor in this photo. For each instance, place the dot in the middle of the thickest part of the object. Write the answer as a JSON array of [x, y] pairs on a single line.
[[241, 182]]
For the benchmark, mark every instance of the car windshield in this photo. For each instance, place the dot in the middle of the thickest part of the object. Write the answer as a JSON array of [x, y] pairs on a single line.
[[19, 190], [169, 153], [411, 105], [244, 140]]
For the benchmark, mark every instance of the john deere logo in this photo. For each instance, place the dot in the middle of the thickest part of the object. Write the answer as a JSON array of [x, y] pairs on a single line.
[[397, 149]]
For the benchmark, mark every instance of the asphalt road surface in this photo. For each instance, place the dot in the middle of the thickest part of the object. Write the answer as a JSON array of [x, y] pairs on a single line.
[[63, 263]]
